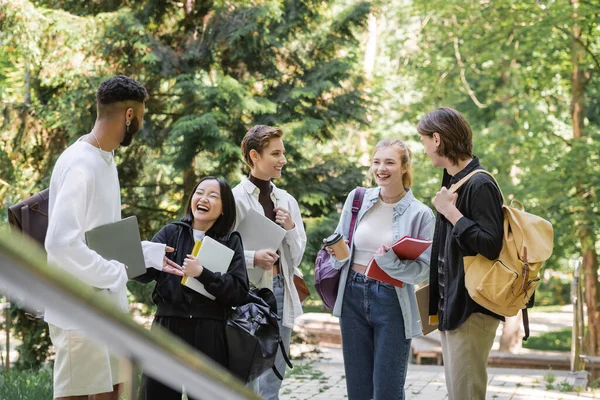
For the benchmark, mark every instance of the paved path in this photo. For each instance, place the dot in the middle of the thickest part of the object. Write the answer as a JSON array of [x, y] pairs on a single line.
[[322, 378]]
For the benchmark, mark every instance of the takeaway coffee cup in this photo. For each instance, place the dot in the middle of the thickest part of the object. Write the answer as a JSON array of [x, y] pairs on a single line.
[[339, 246]]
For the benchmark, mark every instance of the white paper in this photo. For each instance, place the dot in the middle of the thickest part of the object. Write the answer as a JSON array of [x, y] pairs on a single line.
[[214, 256]]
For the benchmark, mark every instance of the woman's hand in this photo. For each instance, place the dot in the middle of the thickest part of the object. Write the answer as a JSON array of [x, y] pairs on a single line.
[[265, 259], [284, 218], [382, 250], [330, 249], [171, 267], [192, 266]]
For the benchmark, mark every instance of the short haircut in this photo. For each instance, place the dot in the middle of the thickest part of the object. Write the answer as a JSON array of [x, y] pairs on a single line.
[[257, 138], [405, 158], [455, 133], [224, 224], [120, 88]]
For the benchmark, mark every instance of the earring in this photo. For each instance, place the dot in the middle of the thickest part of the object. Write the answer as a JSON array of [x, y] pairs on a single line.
[[127, 123]]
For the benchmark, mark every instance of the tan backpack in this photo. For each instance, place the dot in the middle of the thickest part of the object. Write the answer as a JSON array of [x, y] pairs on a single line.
[[505, 285]]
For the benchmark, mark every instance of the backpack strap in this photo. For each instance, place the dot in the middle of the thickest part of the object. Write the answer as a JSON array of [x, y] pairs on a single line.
[[525, 324], [25, 225], [285, 357], [356, 205], [464, 180]]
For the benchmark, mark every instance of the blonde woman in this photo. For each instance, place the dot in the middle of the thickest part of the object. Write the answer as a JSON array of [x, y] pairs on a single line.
[[264, 152], [379, 320]]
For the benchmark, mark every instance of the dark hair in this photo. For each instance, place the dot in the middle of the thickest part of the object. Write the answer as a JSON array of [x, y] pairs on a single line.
[[455, 133], [257, 138], [120, 88], [224, 224]]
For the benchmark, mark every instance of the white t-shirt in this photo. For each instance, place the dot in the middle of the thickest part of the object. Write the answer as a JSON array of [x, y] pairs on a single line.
[[374, 229], [198, 234], [85, 194]]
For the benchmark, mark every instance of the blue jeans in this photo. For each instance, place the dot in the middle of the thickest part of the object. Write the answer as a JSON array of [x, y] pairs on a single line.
[[374, 343], [268, 384]]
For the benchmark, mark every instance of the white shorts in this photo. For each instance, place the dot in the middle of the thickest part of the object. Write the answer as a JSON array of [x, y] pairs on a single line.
[[83, 366]]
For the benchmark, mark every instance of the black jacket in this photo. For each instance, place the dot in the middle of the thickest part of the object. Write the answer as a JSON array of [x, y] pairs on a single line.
[[479, 231], [175, 300]]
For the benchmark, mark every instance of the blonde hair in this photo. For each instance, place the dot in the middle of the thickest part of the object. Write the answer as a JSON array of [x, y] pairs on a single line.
[[405, 158], [257, 138]]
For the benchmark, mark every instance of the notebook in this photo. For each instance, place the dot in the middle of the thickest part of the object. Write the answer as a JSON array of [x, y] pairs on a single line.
[[259, 232], [407, 248], [212, 255], [119, 241], [423, 304]]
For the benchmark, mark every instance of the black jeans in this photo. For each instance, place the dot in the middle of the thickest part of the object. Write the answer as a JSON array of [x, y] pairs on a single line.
[[206, 335]]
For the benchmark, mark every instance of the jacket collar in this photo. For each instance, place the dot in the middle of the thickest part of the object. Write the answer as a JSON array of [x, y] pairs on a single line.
[[190, 229], [448, 179], [251, 188], [372, 196]]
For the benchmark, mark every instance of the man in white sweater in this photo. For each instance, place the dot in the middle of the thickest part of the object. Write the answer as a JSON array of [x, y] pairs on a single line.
[[84, 194]]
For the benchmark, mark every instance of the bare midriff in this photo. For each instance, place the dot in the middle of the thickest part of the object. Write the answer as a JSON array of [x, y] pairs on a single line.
[[359, 268]]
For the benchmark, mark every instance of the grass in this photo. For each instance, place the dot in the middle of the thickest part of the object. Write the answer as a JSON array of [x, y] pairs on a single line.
[[548, 309], [307, 371], [550, 341], [26, 385]]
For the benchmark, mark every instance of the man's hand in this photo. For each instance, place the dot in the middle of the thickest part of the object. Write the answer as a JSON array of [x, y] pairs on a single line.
[[445, 203], [169, 266], [265, 259], [284, 218]]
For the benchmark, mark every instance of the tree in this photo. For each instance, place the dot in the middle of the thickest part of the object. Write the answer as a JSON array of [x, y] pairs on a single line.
[[526, 76], [212, 69]]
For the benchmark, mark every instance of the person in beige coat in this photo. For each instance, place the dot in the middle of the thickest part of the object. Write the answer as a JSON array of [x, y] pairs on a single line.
[[264, 152]]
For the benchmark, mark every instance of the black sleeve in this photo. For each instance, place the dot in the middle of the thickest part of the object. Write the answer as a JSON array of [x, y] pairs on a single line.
[[483, 232], [151, 273], [231, 288]]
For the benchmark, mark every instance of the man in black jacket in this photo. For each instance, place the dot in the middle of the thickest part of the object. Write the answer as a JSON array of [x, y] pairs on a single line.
[[468, 223]]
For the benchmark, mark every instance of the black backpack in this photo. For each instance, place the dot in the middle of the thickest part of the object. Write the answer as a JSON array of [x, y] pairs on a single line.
[[30, 216], [252, 335]]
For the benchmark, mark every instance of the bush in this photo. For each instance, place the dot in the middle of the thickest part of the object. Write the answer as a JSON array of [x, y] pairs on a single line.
[[35, 347], [26, 385], [553, 291], [555, 341]]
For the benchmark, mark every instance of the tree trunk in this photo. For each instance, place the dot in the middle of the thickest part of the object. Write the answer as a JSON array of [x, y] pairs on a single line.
[[591, 293], [579, 79], [371, 46], [510, 341], [189, 181]]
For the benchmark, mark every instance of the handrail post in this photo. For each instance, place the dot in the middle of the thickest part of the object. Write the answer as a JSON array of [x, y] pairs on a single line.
[[577, 363], [6, 307]]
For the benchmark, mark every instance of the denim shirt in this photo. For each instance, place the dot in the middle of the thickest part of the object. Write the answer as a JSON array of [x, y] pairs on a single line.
[[411, 218]]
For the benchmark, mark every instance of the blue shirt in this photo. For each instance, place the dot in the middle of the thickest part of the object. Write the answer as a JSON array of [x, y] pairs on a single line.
[[410, 218]]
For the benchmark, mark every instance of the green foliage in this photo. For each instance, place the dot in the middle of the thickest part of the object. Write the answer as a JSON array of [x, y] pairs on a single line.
[[29, 385], [550, 341], [35, 338], [553, 291], [212, 71]]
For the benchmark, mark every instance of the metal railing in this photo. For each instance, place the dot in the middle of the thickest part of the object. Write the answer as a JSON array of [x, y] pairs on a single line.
[[26, 277]]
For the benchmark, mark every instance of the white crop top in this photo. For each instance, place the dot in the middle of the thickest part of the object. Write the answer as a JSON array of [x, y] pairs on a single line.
[[374, 229]]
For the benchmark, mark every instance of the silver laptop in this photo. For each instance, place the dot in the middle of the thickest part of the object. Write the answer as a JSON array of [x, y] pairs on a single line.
[[119, 241], [259, 232]]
